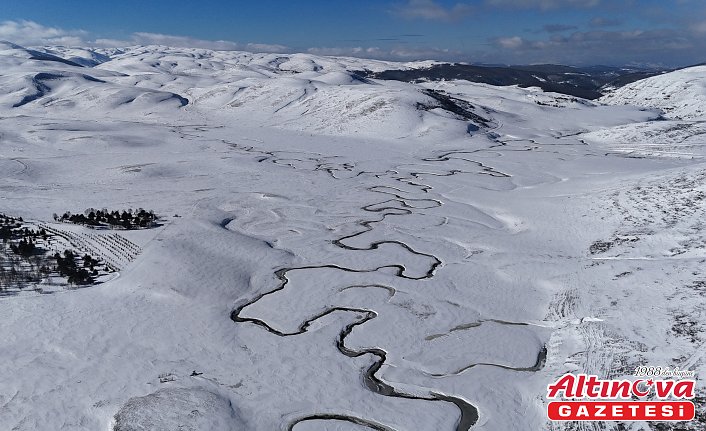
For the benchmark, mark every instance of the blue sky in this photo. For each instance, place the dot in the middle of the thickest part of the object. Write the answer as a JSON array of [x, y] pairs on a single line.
[[667, 32]]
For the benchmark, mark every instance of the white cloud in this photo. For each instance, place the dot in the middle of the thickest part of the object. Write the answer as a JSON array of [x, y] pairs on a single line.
[[395, 54], [431, 10], [110, 43], [513, 42], [266, 47], [144, 38], [672, 47], [31, 33]]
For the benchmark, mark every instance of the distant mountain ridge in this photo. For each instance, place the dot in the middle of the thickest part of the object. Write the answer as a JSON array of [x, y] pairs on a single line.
[[590, 82]]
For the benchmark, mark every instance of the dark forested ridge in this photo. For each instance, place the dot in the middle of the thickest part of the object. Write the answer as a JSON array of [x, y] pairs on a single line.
[[586, 82]]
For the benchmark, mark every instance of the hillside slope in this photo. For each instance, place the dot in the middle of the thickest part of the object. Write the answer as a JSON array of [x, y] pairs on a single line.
[[680, 94]]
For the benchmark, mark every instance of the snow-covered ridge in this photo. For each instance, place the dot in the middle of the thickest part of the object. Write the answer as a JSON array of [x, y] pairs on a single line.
[[295, 91], [13, 50], [680, 94], [295, 62]]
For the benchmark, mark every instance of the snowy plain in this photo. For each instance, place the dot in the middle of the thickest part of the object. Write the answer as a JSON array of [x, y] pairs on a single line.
[[339, 253]]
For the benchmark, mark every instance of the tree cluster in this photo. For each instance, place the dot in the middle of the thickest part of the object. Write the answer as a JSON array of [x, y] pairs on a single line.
[[11, 228], [21, 260], [24, 261], [8, 227], [11, 233], [67, 267], [21, 240], [6, 219], [24, 248], [127, 219]]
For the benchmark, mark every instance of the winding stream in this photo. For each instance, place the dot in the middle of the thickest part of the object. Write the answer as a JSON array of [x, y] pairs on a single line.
[[396, 205]]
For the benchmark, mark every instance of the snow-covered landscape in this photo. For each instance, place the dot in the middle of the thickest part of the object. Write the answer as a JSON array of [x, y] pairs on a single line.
[[335, 252]]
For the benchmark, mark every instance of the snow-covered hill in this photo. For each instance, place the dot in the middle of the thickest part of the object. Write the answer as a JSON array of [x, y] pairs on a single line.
[[680, 94], [335, 252], [298, 91]]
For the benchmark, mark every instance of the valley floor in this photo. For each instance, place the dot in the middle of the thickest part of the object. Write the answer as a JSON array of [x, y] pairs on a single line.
[[423, 279]]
